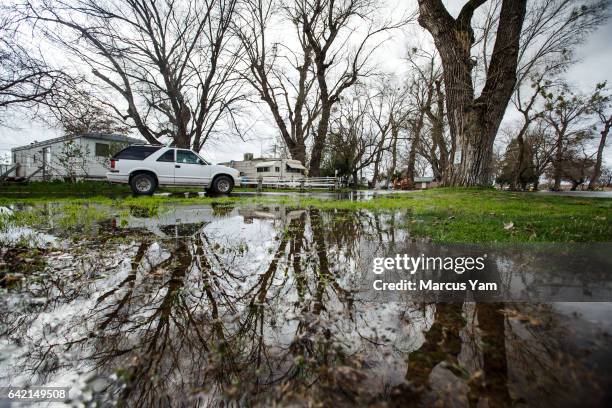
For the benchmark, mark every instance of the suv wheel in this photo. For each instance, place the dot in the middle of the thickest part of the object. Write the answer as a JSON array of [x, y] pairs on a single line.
[[143, 184], [222, 185]]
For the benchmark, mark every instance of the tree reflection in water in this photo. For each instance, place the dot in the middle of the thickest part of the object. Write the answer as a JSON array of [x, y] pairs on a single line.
[[252, 306]]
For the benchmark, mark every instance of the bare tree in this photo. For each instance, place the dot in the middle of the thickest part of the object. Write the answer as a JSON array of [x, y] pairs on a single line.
[[171, 64], [529, 112], [474, 121], [576, 166], [427, 123], [282, 76], [552, 29], [390, 107], [540, 138], [603, 110], [77, 111], [358, 133], [26, 79], [329, 27], [567, 114]]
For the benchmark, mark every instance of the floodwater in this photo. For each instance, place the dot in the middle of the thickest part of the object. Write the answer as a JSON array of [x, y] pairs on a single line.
[[585, 194], [251, 306], [352, 195]]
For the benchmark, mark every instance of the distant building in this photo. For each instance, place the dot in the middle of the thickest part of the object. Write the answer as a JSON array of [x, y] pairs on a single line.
[[266, 168], [40, 159], [425, 183]]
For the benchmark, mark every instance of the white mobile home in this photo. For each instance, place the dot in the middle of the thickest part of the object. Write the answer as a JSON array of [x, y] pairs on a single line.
[[49, 159], [268, 168]]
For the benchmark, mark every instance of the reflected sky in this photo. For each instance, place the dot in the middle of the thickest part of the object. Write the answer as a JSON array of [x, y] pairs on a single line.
[[255, 306]]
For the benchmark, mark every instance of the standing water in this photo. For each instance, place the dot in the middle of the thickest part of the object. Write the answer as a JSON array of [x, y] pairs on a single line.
[[228, 305]]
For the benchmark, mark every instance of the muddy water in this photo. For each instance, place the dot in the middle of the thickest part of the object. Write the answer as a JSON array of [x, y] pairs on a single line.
[[253, 306]]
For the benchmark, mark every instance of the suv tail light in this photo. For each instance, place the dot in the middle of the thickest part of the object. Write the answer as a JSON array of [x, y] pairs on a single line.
[[113, 163]]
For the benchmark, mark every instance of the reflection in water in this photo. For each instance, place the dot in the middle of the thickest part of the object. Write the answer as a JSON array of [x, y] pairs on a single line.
[[209, 306]]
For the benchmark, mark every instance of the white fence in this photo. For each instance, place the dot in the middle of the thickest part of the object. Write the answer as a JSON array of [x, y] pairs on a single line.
[[297, 183]]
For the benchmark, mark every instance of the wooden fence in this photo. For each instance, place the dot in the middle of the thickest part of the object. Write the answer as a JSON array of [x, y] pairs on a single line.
[[329, 183]]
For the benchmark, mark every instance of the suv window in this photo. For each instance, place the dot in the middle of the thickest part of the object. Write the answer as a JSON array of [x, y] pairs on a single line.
[[185, 156], [136, 152], [167, 157]]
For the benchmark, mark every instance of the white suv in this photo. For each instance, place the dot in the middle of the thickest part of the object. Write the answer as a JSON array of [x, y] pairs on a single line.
[[144, 167]]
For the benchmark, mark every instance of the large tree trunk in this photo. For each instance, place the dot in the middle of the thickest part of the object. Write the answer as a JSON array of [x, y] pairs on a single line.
[[437, 131], [602, 144], [376, 172], [298, 152], [411, 160], [558, 163], [442, 344], [394, 135], [355, 179], [316, 153], [474, 121], [492, 325], [518, 166], [416, 140]]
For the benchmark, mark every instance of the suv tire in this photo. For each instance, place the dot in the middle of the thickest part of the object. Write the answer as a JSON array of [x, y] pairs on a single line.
[[222, 185], [143, 184]]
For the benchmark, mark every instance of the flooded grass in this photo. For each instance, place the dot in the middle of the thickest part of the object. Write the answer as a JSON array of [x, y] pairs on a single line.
[[443, 215], [216, 302]]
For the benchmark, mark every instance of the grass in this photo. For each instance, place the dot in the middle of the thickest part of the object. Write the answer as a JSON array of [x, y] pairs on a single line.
[[487, 216], [42, 189], [444, 215]]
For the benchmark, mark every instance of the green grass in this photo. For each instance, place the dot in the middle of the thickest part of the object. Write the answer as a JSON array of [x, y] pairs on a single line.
[[486, 216], [444, 215], [61, 189]]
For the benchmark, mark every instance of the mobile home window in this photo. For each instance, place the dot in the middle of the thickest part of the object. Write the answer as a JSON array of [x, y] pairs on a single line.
[[292, 170], [277, 169], [102, 150], [263, 169]]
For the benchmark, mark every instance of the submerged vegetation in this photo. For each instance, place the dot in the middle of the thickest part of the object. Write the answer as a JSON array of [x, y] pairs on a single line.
[[443, 215]]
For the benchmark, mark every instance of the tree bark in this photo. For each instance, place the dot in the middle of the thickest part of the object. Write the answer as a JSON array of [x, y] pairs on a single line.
[[318, 145], [355, 179], [416, 140], [558, 161], [394, 135], [376, 172], [602, 144], [518, 169], [491, 323], [474, 121], [417, 128]]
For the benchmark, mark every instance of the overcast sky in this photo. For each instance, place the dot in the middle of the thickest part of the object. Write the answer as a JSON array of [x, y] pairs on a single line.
[[595, 62]]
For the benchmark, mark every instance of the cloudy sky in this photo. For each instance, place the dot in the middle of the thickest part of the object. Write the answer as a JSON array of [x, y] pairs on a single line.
[[593, 66]]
